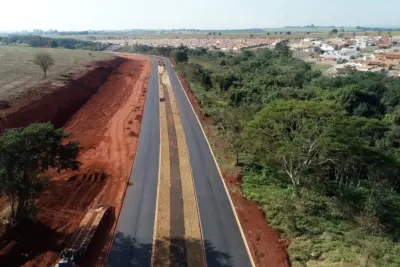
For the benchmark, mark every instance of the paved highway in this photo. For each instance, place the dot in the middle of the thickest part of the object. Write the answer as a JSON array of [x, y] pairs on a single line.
[[133, 239], [132, 244], [220, 229]]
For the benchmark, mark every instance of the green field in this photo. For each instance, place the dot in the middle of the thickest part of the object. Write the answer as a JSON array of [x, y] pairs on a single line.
[[19, 77]]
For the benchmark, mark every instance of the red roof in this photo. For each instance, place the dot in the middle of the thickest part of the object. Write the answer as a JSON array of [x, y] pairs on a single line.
[[392, 55], [373, 63]]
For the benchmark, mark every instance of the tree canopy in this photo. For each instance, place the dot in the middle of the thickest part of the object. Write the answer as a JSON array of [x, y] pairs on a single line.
[[180, 54], [320, 154], [40, 41], [44, 61], [25, 156]]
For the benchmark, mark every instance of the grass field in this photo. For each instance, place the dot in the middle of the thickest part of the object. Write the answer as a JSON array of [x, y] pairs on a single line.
[[19, 76]]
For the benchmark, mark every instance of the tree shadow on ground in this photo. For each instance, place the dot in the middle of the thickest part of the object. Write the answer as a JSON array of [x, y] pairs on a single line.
[[128, 251], [27, 240], [97, 250]]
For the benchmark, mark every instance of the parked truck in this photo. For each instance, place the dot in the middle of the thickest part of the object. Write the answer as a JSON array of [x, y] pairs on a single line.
[[80, 241]]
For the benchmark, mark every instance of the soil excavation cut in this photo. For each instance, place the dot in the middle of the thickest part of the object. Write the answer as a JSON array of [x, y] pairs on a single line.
[[107, 127]]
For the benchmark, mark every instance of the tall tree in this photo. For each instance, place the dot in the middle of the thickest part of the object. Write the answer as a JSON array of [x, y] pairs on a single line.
[[25, 155], [232, 126], [180, 55], [292, 135], [54, 44]]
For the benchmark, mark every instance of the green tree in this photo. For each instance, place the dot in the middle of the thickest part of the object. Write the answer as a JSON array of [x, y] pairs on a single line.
[[355, 159], [54, 44], [44, 61], [180, 55], [318, 50], [292, 136], [334, 31], [283, 49], [232, 127], [361, 103], [25, 155]]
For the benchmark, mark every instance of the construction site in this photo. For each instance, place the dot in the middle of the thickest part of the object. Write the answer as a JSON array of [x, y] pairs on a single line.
[[102, 109]]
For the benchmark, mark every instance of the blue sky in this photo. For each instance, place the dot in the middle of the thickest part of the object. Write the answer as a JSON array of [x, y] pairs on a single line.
[[202, 14]]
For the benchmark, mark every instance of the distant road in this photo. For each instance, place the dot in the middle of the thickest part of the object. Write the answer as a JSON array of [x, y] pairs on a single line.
[[221, 236]]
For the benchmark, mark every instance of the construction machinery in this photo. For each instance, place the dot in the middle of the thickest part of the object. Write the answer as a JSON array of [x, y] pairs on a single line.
[[80, 240]]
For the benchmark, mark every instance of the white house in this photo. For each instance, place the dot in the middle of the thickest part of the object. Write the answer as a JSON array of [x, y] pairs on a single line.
[[327, 47]]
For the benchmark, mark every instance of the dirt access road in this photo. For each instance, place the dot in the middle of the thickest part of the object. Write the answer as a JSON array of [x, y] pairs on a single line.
[[107, 127]]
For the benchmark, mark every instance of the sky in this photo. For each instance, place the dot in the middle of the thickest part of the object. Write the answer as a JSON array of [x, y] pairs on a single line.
[[200, 14]]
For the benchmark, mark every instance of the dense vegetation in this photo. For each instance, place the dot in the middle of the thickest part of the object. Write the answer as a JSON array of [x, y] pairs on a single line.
[[40, 41], [321, 155]]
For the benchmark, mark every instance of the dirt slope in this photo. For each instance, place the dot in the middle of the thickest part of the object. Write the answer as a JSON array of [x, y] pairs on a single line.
[[107, 126], [62, 103]]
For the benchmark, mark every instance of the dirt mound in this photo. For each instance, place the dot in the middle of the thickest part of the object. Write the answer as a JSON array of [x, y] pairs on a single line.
[[107, 126], [59, 106], [62, 194]]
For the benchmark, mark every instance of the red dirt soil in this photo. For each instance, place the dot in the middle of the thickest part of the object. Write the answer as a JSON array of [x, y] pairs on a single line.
[[265, 245], [107, 127], [62, 103]]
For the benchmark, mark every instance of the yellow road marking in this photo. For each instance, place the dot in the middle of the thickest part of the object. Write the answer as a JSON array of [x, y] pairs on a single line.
[[193, 234], [161, 249], [220, 174]]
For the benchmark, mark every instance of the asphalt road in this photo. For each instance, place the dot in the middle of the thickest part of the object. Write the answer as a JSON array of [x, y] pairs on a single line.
[[223, 241], [132, 244]]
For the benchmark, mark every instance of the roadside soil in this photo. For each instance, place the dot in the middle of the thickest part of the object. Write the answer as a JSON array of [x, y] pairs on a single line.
[[107, 127], [266, 247], [58, 103]]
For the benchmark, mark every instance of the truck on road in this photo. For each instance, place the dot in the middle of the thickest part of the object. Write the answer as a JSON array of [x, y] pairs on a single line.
[[80, 240]]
